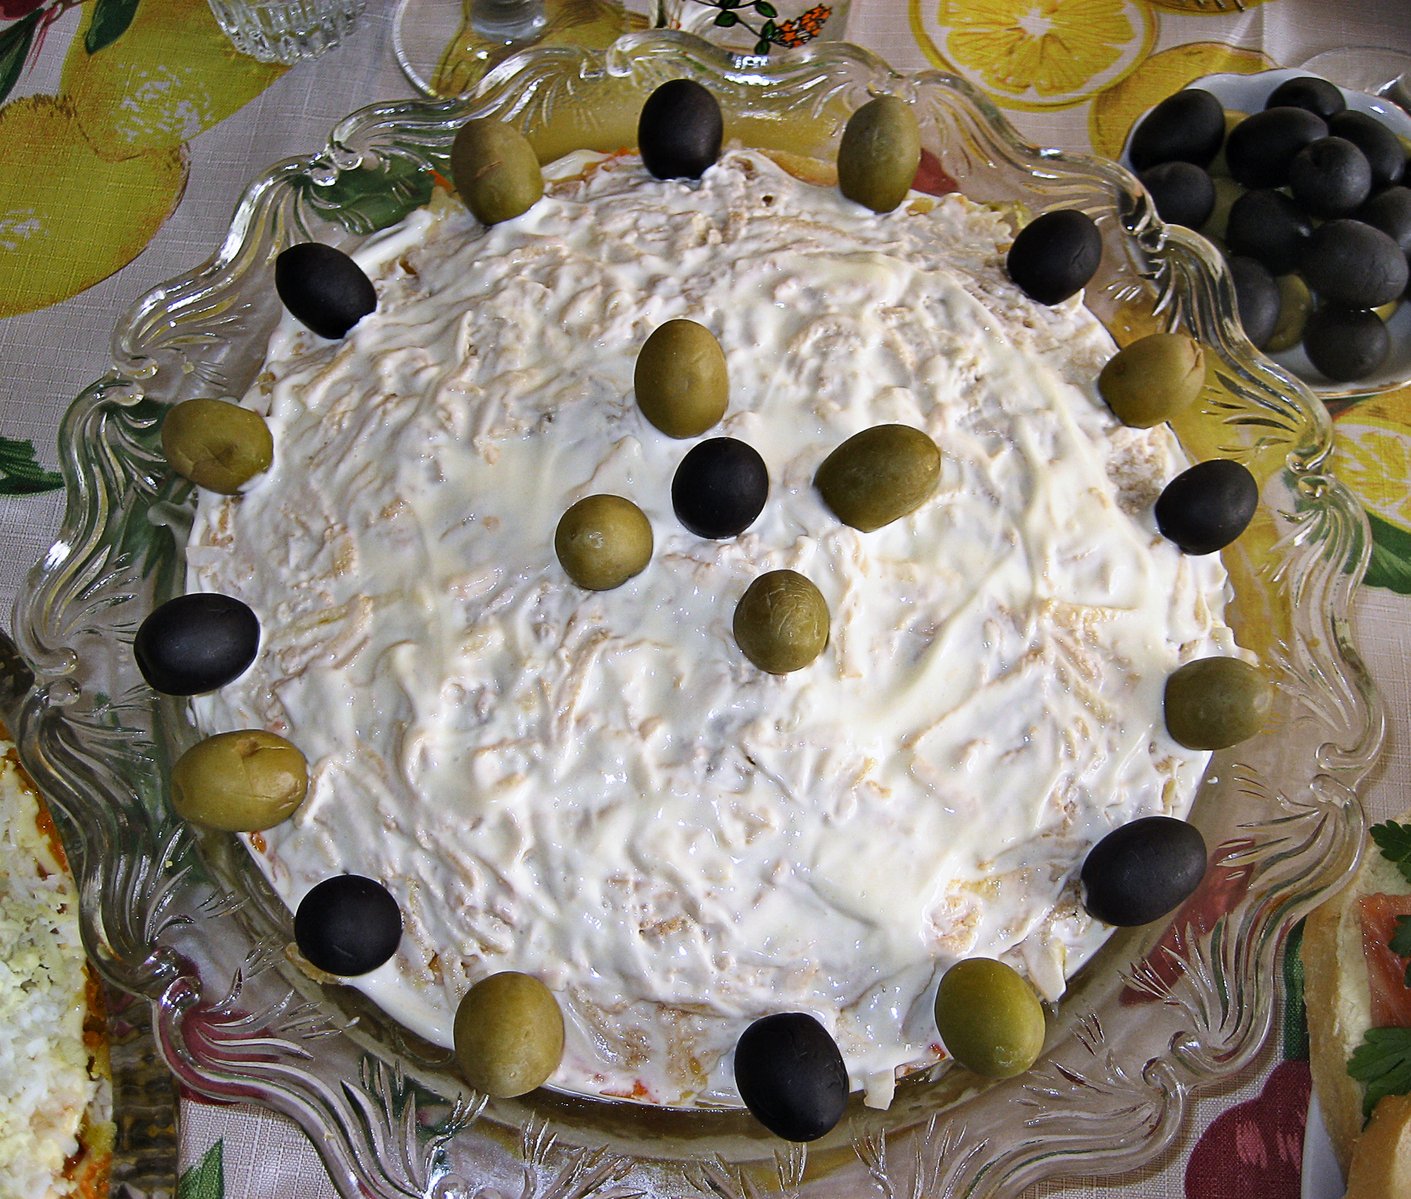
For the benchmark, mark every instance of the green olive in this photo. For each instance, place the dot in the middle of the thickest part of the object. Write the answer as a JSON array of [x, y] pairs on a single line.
[[879, 475], [1213, 703], [216, 444], [1153, 379], [781, 622], [495, 170], [1219, 169], [508, 1034], [681, 382], [1295, 307], [602, 541], [239, 782], [989, 1018], [1227, 191], [879, 153]]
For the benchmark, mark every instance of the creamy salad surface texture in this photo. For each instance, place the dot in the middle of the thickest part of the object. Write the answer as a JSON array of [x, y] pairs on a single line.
[[598, 788]]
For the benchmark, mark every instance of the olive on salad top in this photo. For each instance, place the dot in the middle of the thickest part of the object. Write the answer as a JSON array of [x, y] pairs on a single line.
[[879, 153], [495, 170], [508, 1034], [323, 288], [218, 445], [680, 130]]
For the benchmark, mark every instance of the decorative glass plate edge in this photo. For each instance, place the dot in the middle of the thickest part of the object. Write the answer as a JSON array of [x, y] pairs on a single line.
[[226, 1016]]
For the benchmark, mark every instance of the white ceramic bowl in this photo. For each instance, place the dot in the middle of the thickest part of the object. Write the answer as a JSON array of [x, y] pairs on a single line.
[[1248, 93]]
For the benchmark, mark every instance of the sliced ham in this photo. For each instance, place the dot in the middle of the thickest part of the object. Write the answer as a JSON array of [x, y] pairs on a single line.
[[1386, 971]]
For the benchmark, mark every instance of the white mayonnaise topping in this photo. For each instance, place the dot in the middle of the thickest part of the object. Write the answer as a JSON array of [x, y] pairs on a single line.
[[597, 787]]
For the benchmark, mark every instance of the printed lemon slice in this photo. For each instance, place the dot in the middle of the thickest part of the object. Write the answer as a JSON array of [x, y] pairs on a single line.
[[67, 217], [1373, 443], [170, 75], [1035, 54], [1374, 455], [1118, 108]]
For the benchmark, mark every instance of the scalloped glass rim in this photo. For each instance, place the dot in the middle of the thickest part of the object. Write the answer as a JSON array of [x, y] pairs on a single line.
[[182, 920]]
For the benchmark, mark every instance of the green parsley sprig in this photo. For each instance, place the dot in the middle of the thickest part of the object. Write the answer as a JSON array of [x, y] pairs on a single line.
[[1400, 943], [1383, 1063], [1394, 840]]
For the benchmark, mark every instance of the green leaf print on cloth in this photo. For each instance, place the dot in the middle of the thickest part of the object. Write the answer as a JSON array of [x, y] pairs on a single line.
[[206, 1179], [20, 472], [110, 19], [14, 49], [1391, 557]]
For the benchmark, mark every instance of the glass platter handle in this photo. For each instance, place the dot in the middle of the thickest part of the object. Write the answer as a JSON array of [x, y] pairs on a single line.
[[72, 724]]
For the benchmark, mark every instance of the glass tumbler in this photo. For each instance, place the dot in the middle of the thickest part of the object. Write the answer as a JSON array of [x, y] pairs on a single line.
[[286, 30]]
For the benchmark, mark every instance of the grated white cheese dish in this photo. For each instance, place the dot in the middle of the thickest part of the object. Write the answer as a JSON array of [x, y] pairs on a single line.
[[598, 788], [51, 1088]]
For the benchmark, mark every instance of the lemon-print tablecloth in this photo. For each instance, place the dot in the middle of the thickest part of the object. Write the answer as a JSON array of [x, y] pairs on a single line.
[[129, 127]]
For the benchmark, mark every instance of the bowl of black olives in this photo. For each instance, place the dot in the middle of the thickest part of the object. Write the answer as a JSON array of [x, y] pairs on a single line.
[[1305, 189]]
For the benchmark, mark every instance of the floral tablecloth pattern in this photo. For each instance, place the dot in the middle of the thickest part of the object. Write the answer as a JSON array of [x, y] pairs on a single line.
[[129, 127]]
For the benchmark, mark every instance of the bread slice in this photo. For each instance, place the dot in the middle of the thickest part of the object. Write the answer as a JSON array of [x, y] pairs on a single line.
[[56, 1131], [1381, 1159], [1338, 998]]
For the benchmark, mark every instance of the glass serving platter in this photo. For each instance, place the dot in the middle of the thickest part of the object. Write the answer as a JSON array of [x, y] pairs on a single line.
[[183, 920]]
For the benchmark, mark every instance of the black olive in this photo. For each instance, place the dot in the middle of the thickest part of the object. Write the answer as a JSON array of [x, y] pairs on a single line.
[[1055, 255], [1188, 126], [1184, 193], [1143, 870], [1261, 147], [1354, 265], [680, 130], [324, 288], [1390, 211], [1346, 343], [348, 925], [1383, 148], [1206, 507], [1308, 91], [791, 1076], [1267, 225], [1256, 298], [195, 643], [719, 487], [1330, 177]]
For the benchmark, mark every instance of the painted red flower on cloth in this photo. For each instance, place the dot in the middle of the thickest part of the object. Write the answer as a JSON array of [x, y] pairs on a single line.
[[1255, 1150]]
